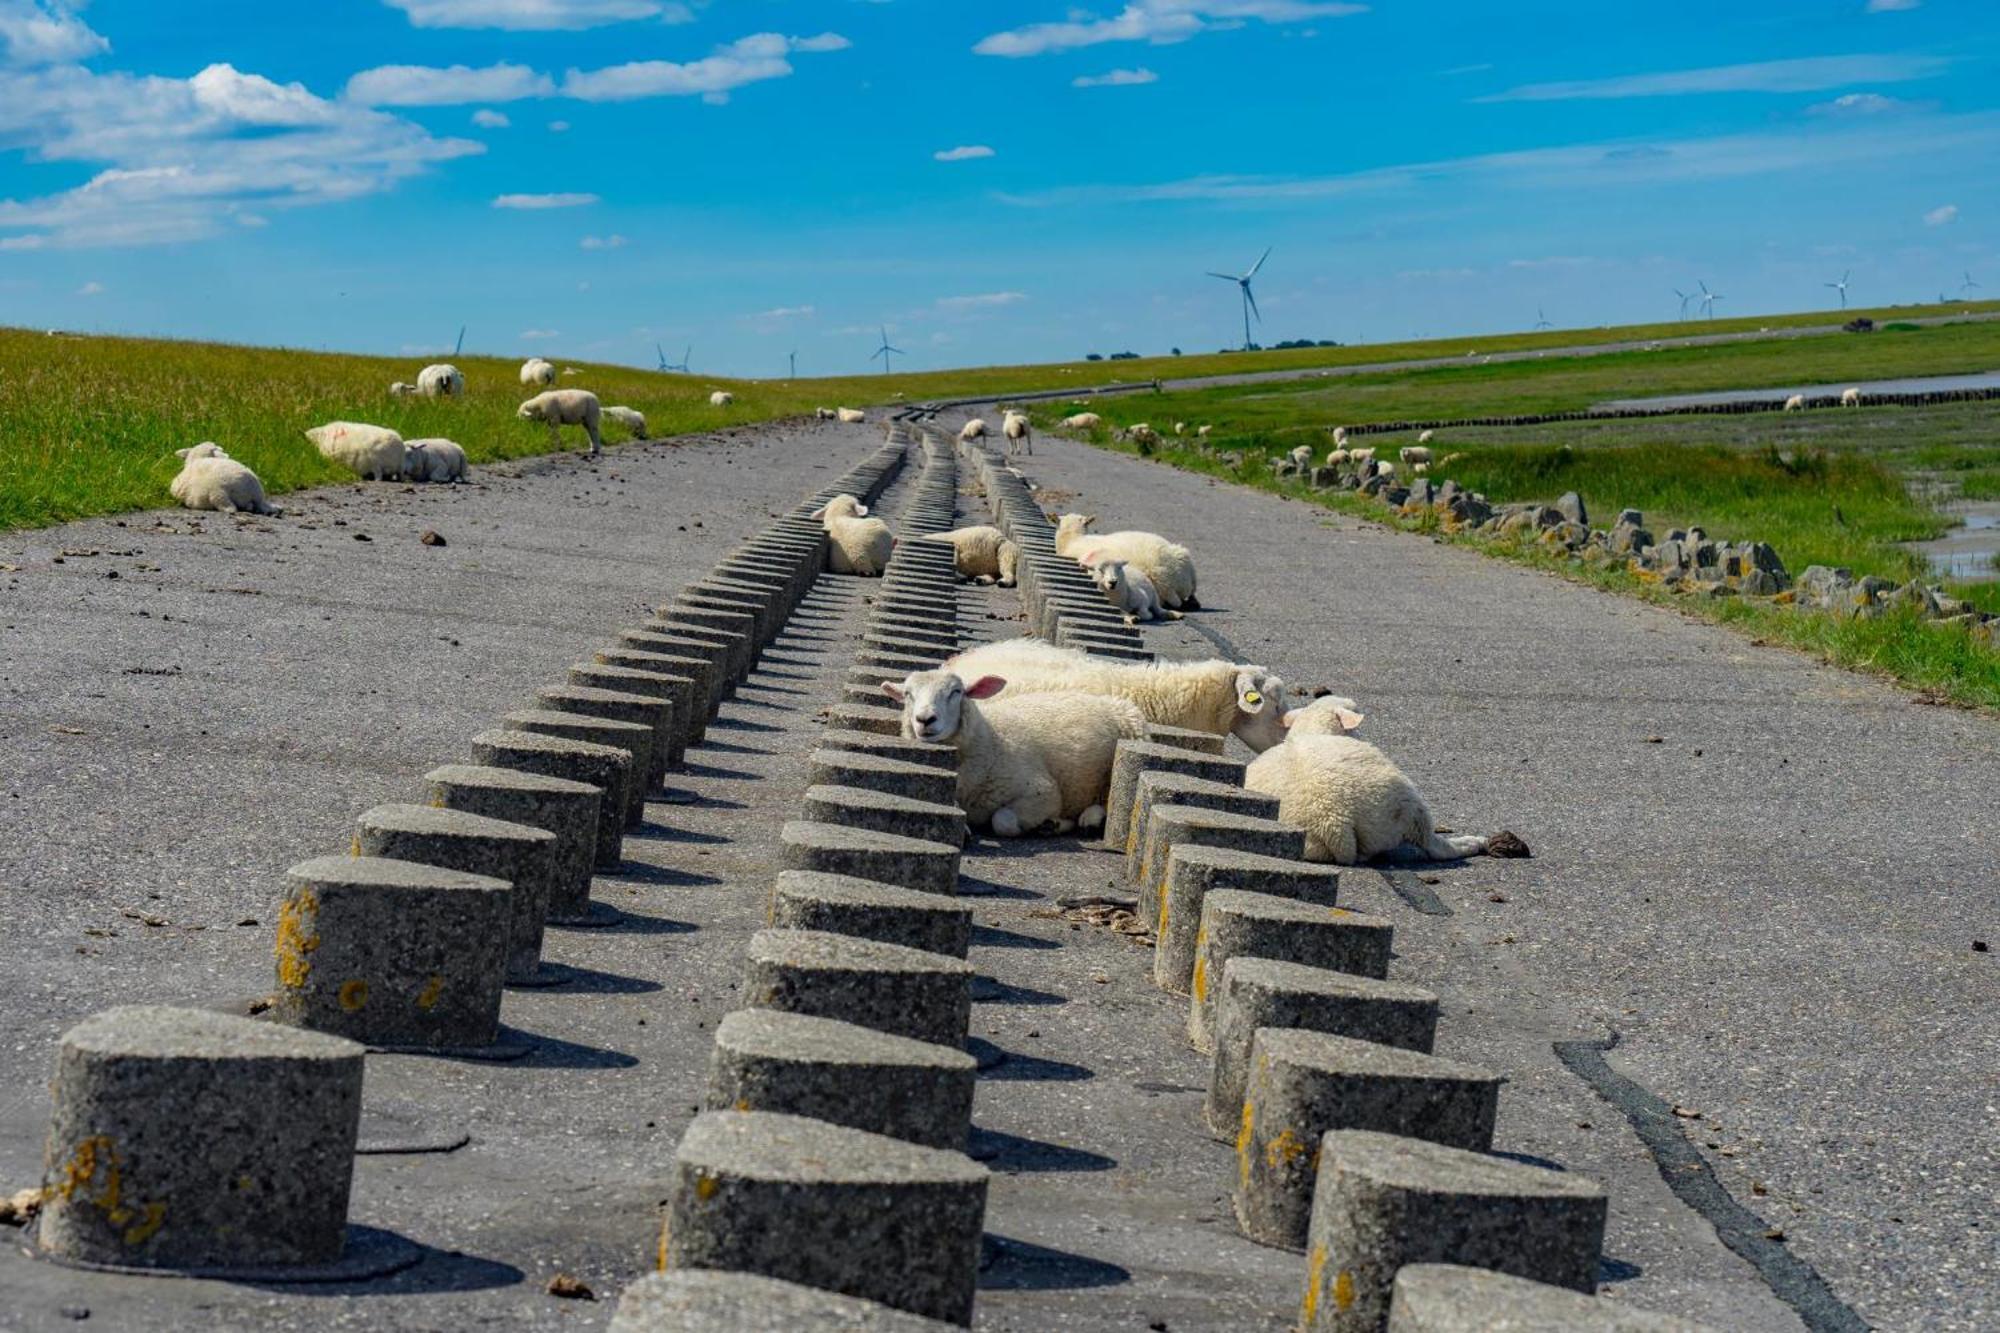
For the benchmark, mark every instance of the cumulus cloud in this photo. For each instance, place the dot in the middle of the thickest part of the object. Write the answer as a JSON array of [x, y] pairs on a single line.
[[538, 15], [531, 202], [451, 85], [533, 335], [45, 32], [1941, 217], [1807, 74], [91, 289], [746, 60], [982, 300], [963, 153], [1156, 21], [1857, 104], [1116, 78], [488, 119], [786, 312], [611, 242]]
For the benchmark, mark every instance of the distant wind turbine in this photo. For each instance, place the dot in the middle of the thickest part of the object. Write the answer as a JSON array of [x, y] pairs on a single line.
[[1968, 285], [458, 346], [1708, 300], [794, 359], [1840, 287], [1685, 298], [1249, 301], [885, 350], [1541, 320], [668, 365]]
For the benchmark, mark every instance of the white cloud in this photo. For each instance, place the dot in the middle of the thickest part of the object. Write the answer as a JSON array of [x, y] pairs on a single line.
[[537, 15], [487, 119], [746, 60], [1807, 74], [558, 127], [982, 300], [536, 335], [46, 32], [1891, 6], [1941, 217], [1116, 78], [1857, 104], [611, 242], [786, 312], [963, 153], [91, 289], [534, 202], [452, 85], [1156, 21]]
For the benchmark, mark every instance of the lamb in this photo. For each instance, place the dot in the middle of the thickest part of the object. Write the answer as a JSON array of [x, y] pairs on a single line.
[[565, 407], [401, 390], [1336, 457], [1130, 591], [1019, 436], [1025, 764], [1170, 567], [824, 413], [631, 419], [1424, 436], [1414, 454], [860, 544], [1352, 802], [1796, 403], [1221, 698], [982, 554], [1082, 421], [972, 429], [211, 479], [1850, 397], [537, 371], [1361, 455], [433, 460], [440, 381], [368, 451], [1301, 457], [721, 398]]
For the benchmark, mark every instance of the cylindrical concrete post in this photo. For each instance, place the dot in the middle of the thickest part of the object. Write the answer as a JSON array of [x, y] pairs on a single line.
[[1170, 826], [1135, 757], [566, 809], [518, 853], [693, 1301], [652, 714], [677, 692], [844, 905], [1194, 871], [1235, 923], [1448, 1298], [887, 987], [837, 849], [605, 767], [635, 739]]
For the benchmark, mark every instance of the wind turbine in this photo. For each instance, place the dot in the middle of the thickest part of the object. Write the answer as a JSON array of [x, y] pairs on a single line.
[[1708, 299], [885, 350], [1249, 301], [458, 346], [1541, 320], [668, 365], [1968, 285], [1840, 287], [1685, 298], [793, 357]]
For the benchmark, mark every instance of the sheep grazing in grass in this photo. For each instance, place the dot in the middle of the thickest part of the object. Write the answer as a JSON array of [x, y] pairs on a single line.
[[440, 381], [860, 544], [537, 371], [1020, 436], [1337, 457], [1796, 403], [366, 451], [982, 554], [566, 407], [1082, 421], [630, 418], [852, 416], [972, 429], [1027, 764], [824, 413], [433, 460], [1221, 698], [1385, 470], [1201, 432], [1850, 397], [1340, 435], [1170, 567], [1424, 436], [1130, 591], [1144, 436], [1301, 457], [1352, 802], [1361, 455], [1420, 469], [1180, 428], [721, 398], [211, 479], [402, 390], [1414, 454]]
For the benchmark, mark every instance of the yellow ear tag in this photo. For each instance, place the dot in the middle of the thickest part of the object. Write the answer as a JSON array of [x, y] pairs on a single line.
[[1252, 697]]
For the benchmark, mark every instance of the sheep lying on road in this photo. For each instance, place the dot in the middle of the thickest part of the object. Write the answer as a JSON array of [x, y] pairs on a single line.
[[853, 416], [1170, 567], [630, 418], [1020, 436], [433, 460], [565, 407], [211, 479], [1221, 698], [1027, 763], [824, 413], [1082, 421], [1130, 591], [537, 371], [1352, 802], [982, 553], [859, 544], [440, 381], [367, 451], [721, 398], [972, 429]]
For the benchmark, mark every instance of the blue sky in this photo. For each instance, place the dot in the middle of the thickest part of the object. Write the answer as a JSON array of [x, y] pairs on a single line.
[[993, 182]]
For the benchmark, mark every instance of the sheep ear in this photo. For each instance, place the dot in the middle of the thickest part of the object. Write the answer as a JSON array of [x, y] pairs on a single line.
[[861, 511], [183, 453], [1287, 719], [985, 687], [894, 690], [1349, 718], [1249, 692], [818, 513]]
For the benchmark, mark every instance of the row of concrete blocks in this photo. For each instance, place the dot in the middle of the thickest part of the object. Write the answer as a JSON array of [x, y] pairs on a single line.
[[826, 1181], [201, 1142], [1355, 1145], [1063, 605]]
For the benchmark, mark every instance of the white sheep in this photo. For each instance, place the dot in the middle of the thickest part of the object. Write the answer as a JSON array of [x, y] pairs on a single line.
[[1082, 421], [1414, 454], [1796, 403], [1143, 435], [211, 479], [1424, 436], [1352, 802], [1850, 397], [1130, 591], [972, 430], [1180, 428], [1033, 762], [981, 553], [1387, 471], [1301, 457], [859, 544], [1170, 567], [1336, 457], [1020, 436], [1340, 435], [440, 381], [1361, 455], [1221, 698], [631, 419], [852, 416], [1420, 469], [1201, 432], [721, 398], [537, 371], [367, 451], [402, 390], [824, 413], [565, 407], [433, 460], [571, 370]]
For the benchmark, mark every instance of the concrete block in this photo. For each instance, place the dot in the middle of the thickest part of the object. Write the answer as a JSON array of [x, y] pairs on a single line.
[[875, 719], [706, 662], [192, 1141], [693, 1301], [887, 858], [1185, 738], [845, 905], [392, 953], [676, 692], [771, 1060], [1162, 788], [903, 664], [735, 645], [568, 810], [927, 753], [635, 738], [1236, 923], [859, 807], [1448, 1298], [1194, 871], [1170, 826], [649, 759], [521, 854], [887, 987], [847, 768], [1304, 1084], [605, 767], [1265, 993], [1385, 1202], [1136, 757]]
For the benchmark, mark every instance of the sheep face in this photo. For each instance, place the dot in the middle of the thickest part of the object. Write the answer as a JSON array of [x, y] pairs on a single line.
[[1328, 715], [840, 506], [1260, 708], [530, 410], [1108, 574], [934, 701]]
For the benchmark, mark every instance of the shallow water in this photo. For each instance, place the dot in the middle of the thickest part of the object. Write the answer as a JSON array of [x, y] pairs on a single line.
[[1915, 384], [1967, 552]]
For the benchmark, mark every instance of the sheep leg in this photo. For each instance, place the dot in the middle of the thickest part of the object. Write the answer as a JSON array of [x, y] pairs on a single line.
[[1091, 818], [1006, 824]]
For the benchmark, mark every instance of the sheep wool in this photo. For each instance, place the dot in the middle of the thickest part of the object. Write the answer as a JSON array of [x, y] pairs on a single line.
[[981, 553], [537, 371], [853, 416], [1130, 591], [858, 544], [433, 460], [1170, 567], [211, 479], [972, 429], [1850, 397], [366, 451], [630, 418], [401, 390], [1796, 403], [440, 381], [1082, 421], [565, 407], [721, 398], [1020, 436], [1352, 802], [1414, 454]]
